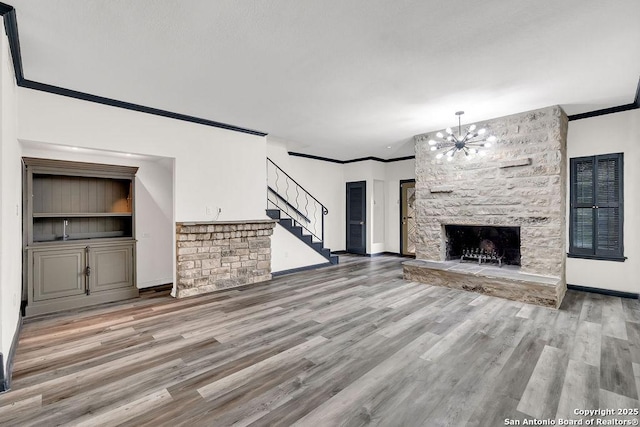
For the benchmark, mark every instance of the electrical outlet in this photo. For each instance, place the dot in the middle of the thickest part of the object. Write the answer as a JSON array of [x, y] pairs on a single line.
[[208, 211], [146, 235]]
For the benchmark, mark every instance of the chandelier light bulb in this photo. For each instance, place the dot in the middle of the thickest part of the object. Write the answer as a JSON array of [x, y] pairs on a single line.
[[471, 141]]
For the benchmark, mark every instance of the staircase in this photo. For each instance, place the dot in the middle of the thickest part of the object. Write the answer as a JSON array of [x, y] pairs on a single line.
[[296, 210]]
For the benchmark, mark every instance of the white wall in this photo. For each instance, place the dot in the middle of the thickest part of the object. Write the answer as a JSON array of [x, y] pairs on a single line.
[[213, 167], [394, 173], [154, 222], [10, 205], [390, 173], [379, 208], [328, 181], [369, 171], [324, 180], [289, 252], [612, 133]]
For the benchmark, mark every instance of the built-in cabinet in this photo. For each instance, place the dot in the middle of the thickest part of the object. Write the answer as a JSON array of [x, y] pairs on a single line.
[[79, 234]]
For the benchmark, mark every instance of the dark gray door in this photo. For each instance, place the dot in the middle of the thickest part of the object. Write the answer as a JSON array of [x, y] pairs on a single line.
[[356, 217]]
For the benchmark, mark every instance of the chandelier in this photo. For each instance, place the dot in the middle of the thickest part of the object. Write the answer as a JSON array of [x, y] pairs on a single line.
[[469, 142]]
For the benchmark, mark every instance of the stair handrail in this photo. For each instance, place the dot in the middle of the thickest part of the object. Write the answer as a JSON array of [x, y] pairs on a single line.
[[286, 202], [323, 209]]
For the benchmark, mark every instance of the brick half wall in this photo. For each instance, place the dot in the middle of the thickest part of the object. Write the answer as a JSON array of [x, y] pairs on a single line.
[[220, 255]]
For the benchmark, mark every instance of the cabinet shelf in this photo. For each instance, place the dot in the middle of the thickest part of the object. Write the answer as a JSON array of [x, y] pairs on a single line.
[[79, 234], [80, 214]]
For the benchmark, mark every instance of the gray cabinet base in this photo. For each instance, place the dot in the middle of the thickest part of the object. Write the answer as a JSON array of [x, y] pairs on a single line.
[[70, 303]]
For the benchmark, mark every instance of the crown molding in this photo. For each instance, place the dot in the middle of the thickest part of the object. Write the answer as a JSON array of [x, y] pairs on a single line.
[[618, 109], [11, 28], [343, 162]]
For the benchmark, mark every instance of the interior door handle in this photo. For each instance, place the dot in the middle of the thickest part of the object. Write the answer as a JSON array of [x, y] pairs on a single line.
[[361, 222]]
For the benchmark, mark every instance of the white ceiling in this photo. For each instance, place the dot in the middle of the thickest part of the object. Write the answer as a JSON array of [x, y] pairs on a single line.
[[338, 78]]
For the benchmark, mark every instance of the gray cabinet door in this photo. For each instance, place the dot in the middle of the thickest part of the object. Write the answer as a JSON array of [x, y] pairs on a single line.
[[111, 267], [58, 273]]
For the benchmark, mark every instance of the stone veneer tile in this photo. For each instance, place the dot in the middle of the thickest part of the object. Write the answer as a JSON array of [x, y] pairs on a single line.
[[531, 196], [213, 256]]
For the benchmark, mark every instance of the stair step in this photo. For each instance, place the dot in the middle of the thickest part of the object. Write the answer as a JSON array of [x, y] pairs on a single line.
[[297, 230], [273, 213], [286, 223]]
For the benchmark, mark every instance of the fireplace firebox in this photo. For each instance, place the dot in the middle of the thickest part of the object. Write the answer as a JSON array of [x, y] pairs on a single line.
[[483, 244]]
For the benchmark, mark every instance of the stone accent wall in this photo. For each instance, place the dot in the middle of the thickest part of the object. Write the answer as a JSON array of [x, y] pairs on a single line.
[[220, 255], [520, 182]]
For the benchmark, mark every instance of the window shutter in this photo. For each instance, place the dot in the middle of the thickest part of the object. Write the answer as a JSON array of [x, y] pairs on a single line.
[[608, 198], [584, 182], [595, 227], [582, 202]]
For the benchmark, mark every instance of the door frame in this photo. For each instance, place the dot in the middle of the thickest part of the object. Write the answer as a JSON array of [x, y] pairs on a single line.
[[403, 181], [347, 209]]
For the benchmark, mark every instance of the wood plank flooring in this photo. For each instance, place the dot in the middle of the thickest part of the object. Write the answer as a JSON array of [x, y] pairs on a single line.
[[352, 344]]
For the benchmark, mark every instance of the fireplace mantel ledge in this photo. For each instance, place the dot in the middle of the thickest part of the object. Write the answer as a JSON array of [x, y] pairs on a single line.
[[442, 189]]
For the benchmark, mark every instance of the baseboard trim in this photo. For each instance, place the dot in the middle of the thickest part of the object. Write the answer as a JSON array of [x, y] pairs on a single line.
[[158, 288], [366, 255], [5, 375], [385, 253], [299, 269], [154, 283], [601, 291]]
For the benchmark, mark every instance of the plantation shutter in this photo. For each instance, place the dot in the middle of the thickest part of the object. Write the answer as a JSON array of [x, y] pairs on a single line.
[[596, 206], [608, 197]]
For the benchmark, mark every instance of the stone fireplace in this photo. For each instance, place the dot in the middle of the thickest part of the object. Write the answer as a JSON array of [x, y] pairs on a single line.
[[510, 202]]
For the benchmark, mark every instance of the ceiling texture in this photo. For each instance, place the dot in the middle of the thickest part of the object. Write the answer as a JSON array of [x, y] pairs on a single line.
[[338, 78]]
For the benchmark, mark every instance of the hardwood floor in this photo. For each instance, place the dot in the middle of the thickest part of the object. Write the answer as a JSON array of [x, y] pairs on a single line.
[[352, 344]]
